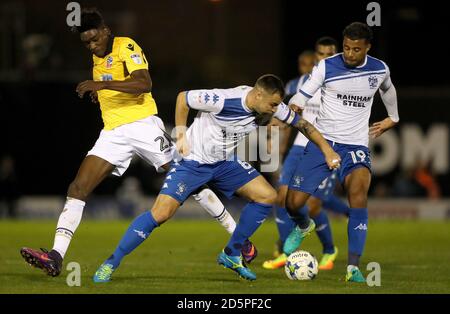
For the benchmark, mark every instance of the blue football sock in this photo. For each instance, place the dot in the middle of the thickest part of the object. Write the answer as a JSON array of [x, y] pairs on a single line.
[[284, 223], [336, 205], [323, 231], [302, 217], [357, 234], [137, 232], [252, 216]]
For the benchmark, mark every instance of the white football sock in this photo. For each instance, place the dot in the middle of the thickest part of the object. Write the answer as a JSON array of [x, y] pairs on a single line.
[[212, 204], [67, 224]]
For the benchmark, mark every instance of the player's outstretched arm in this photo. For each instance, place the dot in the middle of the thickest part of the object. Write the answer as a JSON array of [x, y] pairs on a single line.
[[332, 158], [181, 116], [139, 82]]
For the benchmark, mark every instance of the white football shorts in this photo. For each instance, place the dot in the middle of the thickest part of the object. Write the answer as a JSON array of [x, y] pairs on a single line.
[[145, 138]]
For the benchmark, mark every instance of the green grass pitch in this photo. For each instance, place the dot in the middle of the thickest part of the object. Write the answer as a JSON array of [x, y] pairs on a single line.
[[179, 257]]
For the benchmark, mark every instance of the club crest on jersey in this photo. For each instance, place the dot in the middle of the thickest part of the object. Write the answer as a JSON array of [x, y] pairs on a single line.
[[136, 58], [373, 82], [109, 62]]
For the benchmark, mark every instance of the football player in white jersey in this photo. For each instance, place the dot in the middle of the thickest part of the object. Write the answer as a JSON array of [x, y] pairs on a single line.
[[348, 82], [225, 118], [324, 196]]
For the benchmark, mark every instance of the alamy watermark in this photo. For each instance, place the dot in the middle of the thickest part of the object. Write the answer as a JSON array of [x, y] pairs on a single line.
[[73, 278], [374, 277], [374, 17], [74, 17], [261, 144]]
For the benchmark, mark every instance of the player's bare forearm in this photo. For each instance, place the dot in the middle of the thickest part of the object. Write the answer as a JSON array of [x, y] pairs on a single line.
[[332, 159], [181, 114], [312, 134]]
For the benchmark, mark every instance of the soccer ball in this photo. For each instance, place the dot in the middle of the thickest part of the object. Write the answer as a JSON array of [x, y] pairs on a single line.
[[301, 265]]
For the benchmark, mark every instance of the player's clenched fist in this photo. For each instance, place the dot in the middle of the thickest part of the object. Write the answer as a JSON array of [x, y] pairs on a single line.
[[333, 159], [183, 146]]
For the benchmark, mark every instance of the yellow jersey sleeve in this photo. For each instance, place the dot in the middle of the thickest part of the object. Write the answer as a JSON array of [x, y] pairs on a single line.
[[132, 55]]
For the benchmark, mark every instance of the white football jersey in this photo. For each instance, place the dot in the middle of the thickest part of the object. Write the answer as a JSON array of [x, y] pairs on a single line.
[[346, 97], [223, 122]]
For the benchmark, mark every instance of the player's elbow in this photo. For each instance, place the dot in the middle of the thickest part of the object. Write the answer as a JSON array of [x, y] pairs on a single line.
[[142, 84], [181, 96], [146, 86]]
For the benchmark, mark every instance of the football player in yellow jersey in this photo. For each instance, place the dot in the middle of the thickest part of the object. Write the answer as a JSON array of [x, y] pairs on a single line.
[[122, 85]]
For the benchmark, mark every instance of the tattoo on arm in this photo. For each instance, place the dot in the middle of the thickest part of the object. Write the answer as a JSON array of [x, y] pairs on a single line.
[[306, 128]]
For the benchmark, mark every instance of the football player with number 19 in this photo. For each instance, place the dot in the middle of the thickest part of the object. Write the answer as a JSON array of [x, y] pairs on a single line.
[[348, 83]]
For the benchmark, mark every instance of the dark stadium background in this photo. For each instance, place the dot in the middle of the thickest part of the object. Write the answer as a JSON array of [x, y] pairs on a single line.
[[47, 129]]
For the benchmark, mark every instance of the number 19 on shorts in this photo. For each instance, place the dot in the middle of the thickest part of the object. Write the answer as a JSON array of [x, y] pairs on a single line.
[[358, 157]]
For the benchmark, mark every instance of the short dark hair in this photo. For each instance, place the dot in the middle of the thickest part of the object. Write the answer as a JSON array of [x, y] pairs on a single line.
[[91, 18], [327, 41], [271, 84], [306, 53], [358, 30]]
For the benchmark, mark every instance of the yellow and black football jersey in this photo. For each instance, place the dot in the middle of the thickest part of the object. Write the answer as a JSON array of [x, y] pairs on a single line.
[[120, 108]]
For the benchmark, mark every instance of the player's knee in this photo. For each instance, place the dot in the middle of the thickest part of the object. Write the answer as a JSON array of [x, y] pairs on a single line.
[[291, 204], [357, 198], [163, 211], [78, 190], [161, 216], [294, 202], [272, 198], [268, 198], [314, 205]]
